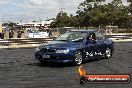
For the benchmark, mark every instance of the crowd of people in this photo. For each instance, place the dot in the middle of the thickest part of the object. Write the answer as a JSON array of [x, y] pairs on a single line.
[[11, 33], [17, 33]]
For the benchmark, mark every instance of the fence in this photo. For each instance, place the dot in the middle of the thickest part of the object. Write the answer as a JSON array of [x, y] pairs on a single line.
[[33, 42]]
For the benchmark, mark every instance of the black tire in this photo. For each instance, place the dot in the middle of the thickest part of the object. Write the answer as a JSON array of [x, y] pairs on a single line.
[[78, 58], [108, 53]]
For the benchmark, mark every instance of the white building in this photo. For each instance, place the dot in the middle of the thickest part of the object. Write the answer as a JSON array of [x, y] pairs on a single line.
[[44, 24]]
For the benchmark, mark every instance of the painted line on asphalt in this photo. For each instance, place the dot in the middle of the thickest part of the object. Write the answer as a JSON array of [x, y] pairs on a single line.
[[123, 40]]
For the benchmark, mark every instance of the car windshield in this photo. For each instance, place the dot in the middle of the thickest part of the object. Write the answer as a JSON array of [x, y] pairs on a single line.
[[71, 36]]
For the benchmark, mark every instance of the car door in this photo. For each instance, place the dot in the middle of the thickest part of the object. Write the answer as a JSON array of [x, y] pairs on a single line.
[[100, 44], [90, 50]]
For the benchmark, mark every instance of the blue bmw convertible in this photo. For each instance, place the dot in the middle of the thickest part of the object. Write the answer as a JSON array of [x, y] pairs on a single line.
[[76, 46]]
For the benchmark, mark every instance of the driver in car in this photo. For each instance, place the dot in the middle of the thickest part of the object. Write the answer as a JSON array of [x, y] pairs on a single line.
[[91, 38]]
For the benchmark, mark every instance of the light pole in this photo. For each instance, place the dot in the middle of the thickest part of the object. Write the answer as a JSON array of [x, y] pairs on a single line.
[[21, 24], [129, 21]]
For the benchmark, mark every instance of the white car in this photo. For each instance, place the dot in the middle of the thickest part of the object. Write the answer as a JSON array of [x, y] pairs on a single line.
[[37, 34]]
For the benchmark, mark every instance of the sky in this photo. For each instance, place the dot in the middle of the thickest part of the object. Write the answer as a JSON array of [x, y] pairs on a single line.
[[30, 10]]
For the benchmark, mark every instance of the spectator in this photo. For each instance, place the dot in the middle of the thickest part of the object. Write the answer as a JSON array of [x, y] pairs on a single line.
[[49, 31], [106, 30], [110, 30], [19, 33], [11, 33], [2, 34]]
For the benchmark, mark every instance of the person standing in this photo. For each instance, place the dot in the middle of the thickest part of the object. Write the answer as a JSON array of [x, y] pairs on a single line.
[[2, 34], [49, 31], [19, 33], [11, 33], [0, 31]]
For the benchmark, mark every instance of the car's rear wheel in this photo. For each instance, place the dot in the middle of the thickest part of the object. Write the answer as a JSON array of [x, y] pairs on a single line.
[[108, 53], [78, 58]]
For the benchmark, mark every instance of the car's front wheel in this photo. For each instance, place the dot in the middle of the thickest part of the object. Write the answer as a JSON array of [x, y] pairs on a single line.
[[78, 58]]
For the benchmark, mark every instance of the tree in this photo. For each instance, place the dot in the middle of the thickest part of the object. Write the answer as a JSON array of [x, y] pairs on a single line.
[[63, 20], [9, 24], [85, 12], [5, 24], [92, 13], [114, 13]]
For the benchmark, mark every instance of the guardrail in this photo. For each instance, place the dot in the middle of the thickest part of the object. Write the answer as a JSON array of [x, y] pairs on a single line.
[[34, 42], [23, 42]]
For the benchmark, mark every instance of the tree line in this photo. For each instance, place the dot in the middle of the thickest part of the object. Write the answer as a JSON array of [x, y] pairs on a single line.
[[94, 13]]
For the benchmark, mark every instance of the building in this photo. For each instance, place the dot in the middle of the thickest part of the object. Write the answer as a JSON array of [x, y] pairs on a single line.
[[43, 24]]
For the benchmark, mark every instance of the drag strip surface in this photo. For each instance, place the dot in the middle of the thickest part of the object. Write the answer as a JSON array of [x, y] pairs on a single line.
[[19, 69]]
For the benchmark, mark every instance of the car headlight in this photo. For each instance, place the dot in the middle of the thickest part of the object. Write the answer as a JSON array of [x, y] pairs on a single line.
[[62, 51]]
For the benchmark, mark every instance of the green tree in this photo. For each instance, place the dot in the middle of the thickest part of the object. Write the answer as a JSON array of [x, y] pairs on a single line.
[[9, 24], [85, 12], [114, 13], [93, 13], [63, 20]]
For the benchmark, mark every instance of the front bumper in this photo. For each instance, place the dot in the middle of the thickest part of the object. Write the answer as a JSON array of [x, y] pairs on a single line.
[[54, 57]]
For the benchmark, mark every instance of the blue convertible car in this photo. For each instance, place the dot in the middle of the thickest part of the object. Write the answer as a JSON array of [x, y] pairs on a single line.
[[76, 46]]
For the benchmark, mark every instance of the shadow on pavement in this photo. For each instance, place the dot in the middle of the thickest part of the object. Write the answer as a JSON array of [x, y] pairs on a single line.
[[59, 65], [52, 65]]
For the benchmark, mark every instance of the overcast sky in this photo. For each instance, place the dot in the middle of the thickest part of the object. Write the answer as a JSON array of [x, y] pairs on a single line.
[[27, 10]]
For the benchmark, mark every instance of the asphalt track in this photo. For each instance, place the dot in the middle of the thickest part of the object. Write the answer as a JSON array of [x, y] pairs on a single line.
[[18, 69]]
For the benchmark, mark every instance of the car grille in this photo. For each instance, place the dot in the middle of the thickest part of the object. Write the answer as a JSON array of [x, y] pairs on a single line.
[[48, 50]]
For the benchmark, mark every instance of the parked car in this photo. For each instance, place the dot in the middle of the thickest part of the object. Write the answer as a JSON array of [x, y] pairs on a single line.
[[76, 46]]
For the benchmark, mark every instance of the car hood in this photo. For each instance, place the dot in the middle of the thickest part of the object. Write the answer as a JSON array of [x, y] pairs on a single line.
[[60, 44]]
